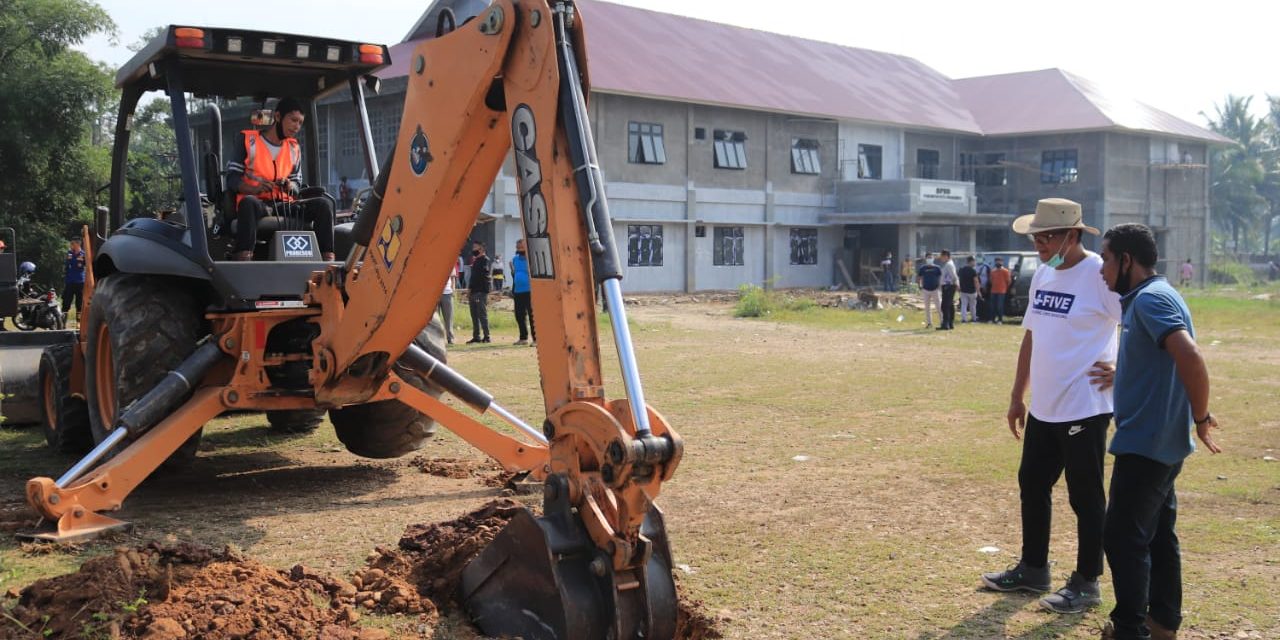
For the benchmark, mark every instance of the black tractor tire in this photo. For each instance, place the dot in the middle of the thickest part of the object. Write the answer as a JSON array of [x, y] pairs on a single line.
[[295, 420], [140, 328], [390, 428], [65, 418]]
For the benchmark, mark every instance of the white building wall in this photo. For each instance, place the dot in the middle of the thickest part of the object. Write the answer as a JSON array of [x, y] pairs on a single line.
[[891, 141], [669, 276], [716, 277], [809, 275]]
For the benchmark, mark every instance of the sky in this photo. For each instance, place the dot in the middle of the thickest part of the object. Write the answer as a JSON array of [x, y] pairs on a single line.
[[1183, 61]]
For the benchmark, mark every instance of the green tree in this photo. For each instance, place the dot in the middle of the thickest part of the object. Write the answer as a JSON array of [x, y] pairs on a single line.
[[1238, 170], [153, 178], [48, 97], [1270, 189]]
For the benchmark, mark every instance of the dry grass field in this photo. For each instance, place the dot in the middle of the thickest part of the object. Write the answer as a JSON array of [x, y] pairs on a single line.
[[843, 472]]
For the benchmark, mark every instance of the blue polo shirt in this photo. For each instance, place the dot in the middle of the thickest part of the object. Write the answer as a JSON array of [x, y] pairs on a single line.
[[930, 276], [1153, 412]]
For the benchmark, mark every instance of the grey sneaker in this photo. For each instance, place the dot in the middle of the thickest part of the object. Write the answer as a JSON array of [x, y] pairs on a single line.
[[1078, 595], [1019, 577]]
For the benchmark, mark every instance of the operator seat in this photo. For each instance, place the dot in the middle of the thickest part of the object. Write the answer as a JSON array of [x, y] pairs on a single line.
[[283, 216]]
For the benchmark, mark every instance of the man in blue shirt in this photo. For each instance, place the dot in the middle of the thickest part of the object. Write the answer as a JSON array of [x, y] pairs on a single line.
[[929, 277], [1161, 390], [73, 281], [520, 291]]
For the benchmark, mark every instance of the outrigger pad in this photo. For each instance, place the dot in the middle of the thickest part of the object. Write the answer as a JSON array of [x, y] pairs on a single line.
[[87, 527], [535, 581]]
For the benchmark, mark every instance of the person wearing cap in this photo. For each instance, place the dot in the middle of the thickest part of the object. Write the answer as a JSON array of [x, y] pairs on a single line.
[[1162, 395], [1070, 330]]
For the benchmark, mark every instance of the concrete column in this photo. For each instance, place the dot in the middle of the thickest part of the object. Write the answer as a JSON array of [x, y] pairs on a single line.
[[691, 239], [972, 232], [770, 234]]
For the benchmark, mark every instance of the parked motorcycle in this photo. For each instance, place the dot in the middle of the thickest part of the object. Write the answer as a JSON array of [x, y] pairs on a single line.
[[38, 308]]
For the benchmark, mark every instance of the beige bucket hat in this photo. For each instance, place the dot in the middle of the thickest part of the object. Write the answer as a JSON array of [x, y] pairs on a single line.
[[1053, 213]]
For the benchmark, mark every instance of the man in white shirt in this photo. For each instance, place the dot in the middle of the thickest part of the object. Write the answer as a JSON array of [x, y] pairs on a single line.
[[949, 282], [1070, 327]]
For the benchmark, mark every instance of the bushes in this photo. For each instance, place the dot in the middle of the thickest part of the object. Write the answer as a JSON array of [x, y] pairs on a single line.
[[755, 302], [1224, 272]]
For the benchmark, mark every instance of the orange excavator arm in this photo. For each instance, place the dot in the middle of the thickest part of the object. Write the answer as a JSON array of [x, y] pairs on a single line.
[[596, 563], [513, 79]]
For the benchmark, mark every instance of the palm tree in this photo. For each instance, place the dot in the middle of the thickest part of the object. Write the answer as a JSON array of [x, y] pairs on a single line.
[[1271, 183], [1239, 170]]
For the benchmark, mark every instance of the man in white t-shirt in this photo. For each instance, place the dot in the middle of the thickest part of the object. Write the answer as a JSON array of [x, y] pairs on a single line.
[[1070, 327]]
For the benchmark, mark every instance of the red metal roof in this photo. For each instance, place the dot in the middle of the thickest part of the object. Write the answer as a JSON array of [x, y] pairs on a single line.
[[647, 53], [1055, 100], [660, 55]]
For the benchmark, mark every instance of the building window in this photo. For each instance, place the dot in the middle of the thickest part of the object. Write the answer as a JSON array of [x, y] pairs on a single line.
[[727, 251], [927, 161], [984, 170], [644, 245], [348, 137], [869, 162], [804, 246], [644, 143], [804, 156], [1059, 167], [968, 167], [992, 173], [731, 149], [322, 135]]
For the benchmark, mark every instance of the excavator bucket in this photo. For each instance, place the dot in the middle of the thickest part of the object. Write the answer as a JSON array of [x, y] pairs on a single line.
[[543, 579]]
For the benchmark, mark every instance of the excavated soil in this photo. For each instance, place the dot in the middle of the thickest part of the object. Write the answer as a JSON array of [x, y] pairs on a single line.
[[489, 474], [187, 591], [16, 516]]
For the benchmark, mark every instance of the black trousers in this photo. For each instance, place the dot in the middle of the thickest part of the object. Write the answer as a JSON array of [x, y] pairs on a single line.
[[524, 309], [984, 305], [948, 306], [479, 303], [1049, 448], [1142, 546], [73, 290], [318, 211]]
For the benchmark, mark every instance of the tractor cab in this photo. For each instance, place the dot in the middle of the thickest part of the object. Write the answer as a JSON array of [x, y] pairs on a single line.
[[245, 73]]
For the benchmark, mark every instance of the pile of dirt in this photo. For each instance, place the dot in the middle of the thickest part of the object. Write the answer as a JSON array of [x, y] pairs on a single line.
[[488, 473], [17, 516], [187, 591], [431, 557], [455, 468], [183, 591]]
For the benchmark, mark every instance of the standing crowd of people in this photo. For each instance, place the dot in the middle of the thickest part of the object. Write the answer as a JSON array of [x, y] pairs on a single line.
[[983, 288]]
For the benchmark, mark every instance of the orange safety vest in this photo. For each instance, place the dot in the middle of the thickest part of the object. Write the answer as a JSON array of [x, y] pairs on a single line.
[[259, 167]]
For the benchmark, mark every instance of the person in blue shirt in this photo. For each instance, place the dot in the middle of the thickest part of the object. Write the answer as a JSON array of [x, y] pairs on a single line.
[[929, 277], [73, 281], [1161, 390], [521, 293]]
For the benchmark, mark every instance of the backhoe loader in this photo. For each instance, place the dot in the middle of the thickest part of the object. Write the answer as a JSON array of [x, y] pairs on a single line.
[[174, 337]]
